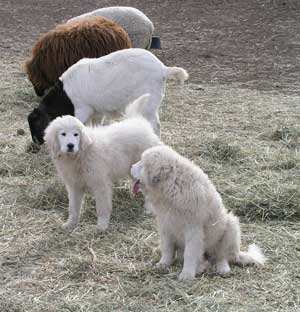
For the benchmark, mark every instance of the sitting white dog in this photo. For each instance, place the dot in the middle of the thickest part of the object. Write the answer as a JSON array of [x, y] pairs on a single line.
[[93, 158], [191, 217]]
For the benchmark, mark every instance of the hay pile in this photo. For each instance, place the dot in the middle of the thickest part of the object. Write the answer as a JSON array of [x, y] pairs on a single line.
[[227, 133]]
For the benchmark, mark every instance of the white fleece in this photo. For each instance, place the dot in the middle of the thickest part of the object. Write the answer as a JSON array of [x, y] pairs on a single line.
[[138, 26], [108, 84]]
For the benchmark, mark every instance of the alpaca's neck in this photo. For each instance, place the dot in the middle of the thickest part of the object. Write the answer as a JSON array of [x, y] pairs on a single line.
[[57, 103]]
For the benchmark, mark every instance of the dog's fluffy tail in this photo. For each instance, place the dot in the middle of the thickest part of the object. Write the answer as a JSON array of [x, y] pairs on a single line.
[[177, 73], [254, 255], [138, 108]]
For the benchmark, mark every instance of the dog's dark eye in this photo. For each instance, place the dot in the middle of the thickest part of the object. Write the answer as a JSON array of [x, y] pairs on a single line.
[[63, 134], [75, 134]]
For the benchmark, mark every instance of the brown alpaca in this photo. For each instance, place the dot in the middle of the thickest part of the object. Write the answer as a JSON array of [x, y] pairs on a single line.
[[55, 51]]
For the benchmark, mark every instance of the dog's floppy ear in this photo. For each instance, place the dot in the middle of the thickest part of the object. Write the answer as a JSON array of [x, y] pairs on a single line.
[[51, 138], [85, 139]]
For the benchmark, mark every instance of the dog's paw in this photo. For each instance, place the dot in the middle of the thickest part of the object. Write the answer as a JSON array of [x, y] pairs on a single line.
[[186, 276], [69, 226], [162, 267], [102, 225], [223, 267], [202, 267]]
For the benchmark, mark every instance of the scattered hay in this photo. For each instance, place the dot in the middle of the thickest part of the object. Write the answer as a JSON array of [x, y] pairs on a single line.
[[26, 165], [127, 209], [290, 136], [46, 269], [25, 97], [264, 200], [220, 151], [48, 196], [32, 148], [288, 164], [78, 268], [9, 305], [285, 134]]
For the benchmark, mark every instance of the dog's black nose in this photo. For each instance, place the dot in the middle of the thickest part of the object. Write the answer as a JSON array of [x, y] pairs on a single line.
[[70, 146]]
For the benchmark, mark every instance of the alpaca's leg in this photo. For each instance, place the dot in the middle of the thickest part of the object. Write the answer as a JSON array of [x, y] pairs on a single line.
[[96, 119], [152, 111], [83, 114], [75, 200], [156, 124]]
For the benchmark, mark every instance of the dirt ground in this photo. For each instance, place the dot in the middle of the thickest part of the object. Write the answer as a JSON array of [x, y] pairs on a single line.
[[253, 44], [237, 117]]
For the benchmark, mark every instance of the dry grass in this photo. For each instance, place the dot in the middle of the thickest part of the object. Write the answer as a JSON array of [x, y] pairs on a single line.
[[45, 269], [245, 140]]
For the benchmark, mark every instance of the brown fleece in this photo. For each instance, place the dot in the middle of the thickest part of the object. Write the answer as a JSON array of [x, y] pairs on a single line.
[[55, 51]]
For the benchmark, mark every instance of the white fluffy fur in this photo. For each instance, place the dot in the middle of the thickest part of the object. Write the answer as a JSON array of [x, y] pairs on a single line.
[[106, 85], [138, 26], [190, 214], [100, 156]]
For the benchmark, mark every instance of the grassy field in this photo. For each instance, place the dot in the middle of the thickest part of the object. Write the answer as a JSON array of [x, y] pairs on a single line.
[[245, 138]]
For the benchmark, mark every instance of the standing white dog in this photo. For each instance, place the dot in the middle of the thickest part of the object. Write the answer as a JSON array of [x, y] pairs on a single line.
[[190, 214], [93, 158]]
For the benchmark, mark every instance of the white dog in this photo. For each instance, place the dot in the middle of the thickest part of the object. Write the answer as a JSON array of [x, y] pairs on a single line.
[[93, 158], [190, 213]]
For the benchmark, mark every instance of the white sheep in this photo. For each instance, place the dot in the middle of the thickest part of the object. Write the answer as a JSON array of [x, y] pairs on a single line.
[[106, 86], [138, 26]]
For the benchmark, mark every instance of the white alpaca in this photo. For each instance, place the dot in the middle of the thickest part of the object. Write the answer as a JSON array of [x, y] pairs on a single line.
[[191, 216], [138, 26], [93, 158], [107, 84]]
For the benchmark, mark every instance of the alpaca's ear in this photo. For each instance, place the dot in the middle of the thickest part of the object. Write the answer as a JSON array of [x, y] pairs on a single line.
[[85, 139], [51, 139]]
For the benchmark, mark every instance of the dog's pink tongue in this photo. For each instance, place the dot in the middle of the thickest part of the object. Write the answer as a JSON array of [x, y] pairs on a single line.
[[136, 187]]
